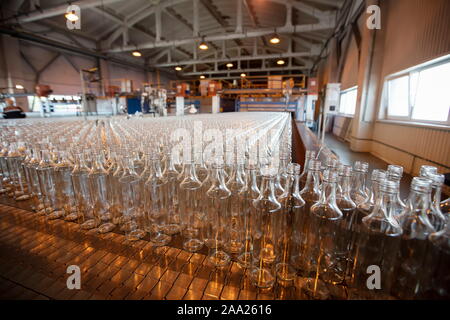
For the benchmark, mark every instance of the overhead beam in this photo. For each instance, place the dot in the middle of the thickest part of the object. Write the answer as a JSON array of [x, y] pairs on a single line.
[[211, 72], [229, 36], [313, 52], [56, 11]]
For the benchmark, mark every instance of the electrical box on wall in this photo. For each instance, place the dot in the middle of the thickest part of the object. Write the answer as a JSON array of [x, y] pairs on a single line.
[[332, 96]]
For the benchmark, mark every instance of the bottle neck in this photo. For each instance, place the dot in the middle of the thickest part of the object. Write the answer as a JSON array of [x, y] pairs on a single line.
[[436, 198], [267, 188], [384, 206], [418, 202], [360, 181], [328, 193], [296, 184], [346, 186], [312, 181]]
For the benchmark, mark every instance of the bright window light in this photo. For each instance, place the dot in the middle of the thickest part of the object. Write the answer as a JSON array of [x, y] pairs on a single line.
[[347, 104], [420, 94], [398, 91], [432, 99]]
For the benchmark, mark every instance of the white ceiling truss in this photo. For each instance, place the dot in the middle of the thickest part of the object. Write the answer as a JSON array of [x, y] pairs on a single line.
[[168, 32]]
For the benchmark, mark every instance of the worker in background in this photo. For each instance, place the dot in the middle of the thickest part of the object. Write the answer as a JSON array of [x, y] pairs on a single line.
[[12, 111]]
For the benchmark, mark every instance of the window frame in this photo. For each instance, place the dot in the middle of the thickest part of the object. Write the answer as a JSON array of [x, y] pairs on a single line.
[[354, 88], [384, 107]]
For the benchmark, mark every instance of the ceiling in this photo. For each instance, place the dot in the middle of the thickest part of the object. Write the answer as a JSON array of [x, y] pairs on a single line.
[[168, 32]]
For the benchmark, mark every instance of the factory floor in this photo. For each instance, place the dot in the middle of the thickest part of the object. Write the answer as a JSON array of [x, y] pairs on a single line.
[[342, 150]]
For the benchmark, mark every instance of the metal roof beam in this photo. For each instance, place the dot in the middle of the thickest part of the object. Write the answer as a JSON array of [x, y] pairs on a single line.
[[314, 51], [210, 72], [56, 11], [229, 36]]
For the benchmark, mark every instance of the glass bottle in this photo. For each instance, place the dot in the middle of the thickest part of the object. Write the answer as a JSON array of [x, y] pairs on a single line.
[[377, 244], [47, 183], [309, 155], [359, 191], [292, 205], [173, 225], [310, 194], [100, 194], [116, 172], [14, 161], [348, 209], [133, 219], [83, 202], [35, 191], [190, 208], [236, 183], [435, 215], [64, 188], [248, 214], [436, 284], [265, 251], [395, 173], [155, 200], [414, 240], [218, 216], [325, 255]]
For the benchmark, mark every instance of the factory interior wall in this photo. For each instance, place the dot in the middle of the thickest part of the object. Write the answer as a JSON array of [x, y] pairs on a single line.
[[62, 75], [412, 32]]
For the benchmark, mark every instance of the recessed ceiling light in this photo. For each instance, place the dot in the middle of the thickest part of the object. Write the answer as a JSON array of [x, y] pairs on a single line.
[[229, 65], [202, 77], [19, 86], [136, 53], [280, 62], [203, 46], [71, 16], [243, 75], [178, 68]]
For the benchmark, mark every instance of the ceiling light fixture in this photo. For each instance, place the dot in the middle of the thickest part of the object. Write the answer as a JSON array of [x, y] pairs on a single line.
[[229, 65], [275, 39], [203, 46], [280, 62], [243, 75], [202, 77], [136, 54], [178, 68], [71, 16], [19, 86]]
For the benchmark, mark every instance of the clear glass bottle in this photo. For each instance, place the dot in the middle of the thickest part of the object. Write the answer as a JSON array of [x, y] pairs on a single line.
[[190, 208], [64, 188], [359, 190], [156, 203], [83, 201], [395, 173], [173, 225], [100, 194], [325, 254], [133, 219], [309, 155], [435, 215], [248, 213], [46, 182], [292, 205], [377, 244], [265, 251], [218, 216], [236, 183], [35, 191], [348, 209], [436, 284], [310, 194], [414, 240]]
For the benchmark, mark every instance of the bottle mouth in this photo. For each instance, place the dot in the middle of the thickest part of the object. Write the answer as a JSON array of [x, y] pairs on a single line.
[[345, 171], [421, 184], [294, 169], [315, 165], [388, 186], [330, 176], [361, 166]]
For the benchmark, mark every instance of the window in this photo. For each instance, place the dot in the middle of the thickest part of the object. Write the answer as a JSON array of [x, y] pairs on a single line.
[[420, 94], [347, 102]]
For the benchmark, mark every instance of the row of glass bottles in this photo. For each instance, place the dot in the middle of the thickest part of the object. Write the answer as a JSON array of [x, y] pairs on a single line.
[[328, 229]]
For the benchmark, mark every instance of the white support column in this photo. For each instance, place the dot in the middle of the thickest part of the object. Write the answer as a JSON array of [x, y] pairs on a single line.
[[288, 15], [215, 108], [179, 101]]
